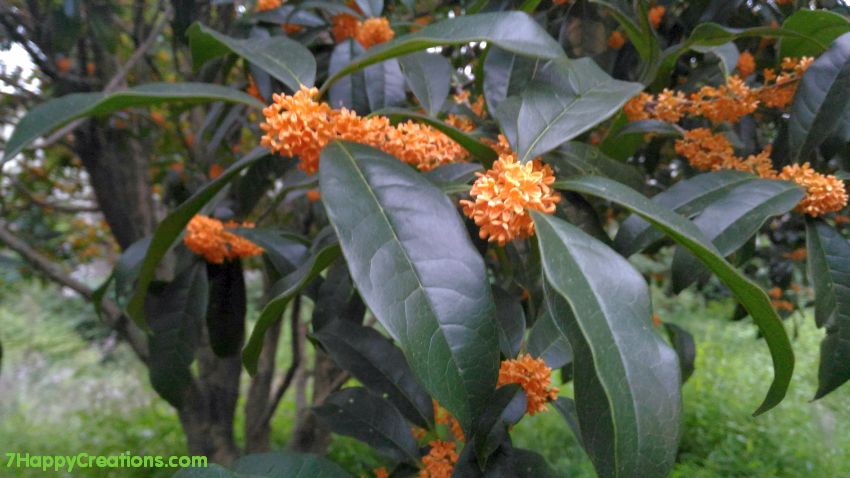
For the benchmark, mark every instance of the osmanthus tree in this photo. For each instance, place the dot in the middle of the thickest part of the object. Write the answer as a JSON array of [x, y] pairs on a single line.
[[456, 189]]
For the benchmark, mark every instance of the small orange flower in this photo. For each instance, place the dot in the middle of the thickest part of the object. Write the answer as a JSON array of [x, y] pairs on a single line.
[[374, 31], [504, 195], [561, 2], [313, 195], [215, 171], [63, 64], [727, 102], [381, 472], [298, 126], [253, 90], [636, 108], [444, 417], [841, 219], [90, 68], [343, 27], [292, 28], [824, 193], [746, 64], [616, 40], [208, 237], [158, 118], [705, 150], [418, 433], [534, 377], [782, 305], [440, 460], [656, 320], [264, 5], [656, 14], [798, 254], [775, 293]]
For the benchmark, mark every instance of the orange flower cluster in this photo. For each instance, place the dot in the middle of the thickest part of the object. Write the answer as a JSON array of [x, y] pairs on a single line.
[[824, 193], [709, 151], [504, 194], [264, 5], [656, 14], [298, 125], [616, 40], [292, 28], [746, 64], [208, 237], [728, 102], [253, 90], [440, 460], [534, 377], [381, 472], [444, 417], [798, 254], [370, 32]]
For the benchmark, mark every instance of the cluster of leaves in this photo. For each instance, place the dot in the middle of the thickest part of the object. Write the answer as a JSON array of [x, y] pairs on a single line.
[[391, 240]]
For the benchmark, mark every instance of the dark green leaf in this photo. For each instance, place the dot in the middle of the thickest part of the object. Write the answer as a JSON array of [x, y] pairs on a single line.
[[491, 428], [371, 8], [175, 314], [453, 173], [567, 408], [283, 291], [649, 126], [511, 320], [169, 230], [604, 304], [226, 308], [350, 91], [423, 279], [379, 365], [820, 100], [733, 219], [475, 147], [428, 76], [828, 256], [687, 198], [284, 59], [369, 418], [288, 464], [384, 85], [581, 159], [684, 232], [337, 299], [285, 250], [506, 74], [512, 31], [642, 39], [822, 26], [57, 112], [571, 97], [548, 340], [686, 349]]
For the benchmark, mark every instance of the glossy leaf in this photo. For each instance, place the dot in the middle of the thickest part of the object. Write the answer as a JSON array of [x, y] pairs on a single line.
[[828, 256], [512, 31], [453, 173], [685, 233], [685, 347], [337, 299], [58, 112], [567, 408], [168, 231], [379, 365], [820, 101], [568, 98], [282, 293], [733, 219], [384, 85], [284, 59], [423, 279], [604, 304], [371, 8], [369, 418], [510, 318], [687, 197], [175, 313], [286, 251], [288, 464], [350, 91], [506, 74], [505, 408], [226, 307], [428, 76], [548, 340], [822, 26], [582, 159]]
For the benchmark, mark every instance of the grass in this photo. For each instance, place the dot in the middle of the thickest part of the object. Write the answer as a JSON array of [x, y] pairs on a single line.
[[61, 395]]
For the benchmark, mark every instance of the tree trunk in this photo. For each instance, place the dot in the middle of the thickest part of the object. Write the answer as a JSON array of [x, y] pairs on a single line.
[[310, 434], [257, 423]]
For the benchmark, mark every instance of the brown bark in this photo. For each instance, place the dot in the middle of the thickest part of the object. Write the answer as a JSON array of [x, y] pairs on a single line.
[[310, 434], [257, 423]]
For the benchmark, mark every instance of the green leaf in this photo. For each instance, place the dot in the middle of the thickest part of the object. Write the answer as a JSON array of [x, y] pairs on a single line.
[[649, 126], [385, 85], [512, 31], [506, 74], [821, 98], [684, 232], [288, 464], [733, 219], [286, 251], [568, 98], [581, 159], [453, 173], [604, 304], [822, 26], [283, 291], [686, 349], [284, 59], [371, 8], [475, 147], [423, 279], [567, 408], [688, 198], [350, 91], [226, 308], [548, 340], [379, 365], [169, 230], [510, 317], [337, 299], [428, 76], [175, 313], [57, 112], [505, 408], [357, 413], [643, 40], [828, 257]]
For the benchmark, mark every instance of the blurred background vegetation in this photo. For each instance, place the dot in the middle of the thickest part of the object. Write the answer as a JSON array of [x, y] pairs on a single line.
[[61, 395]]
